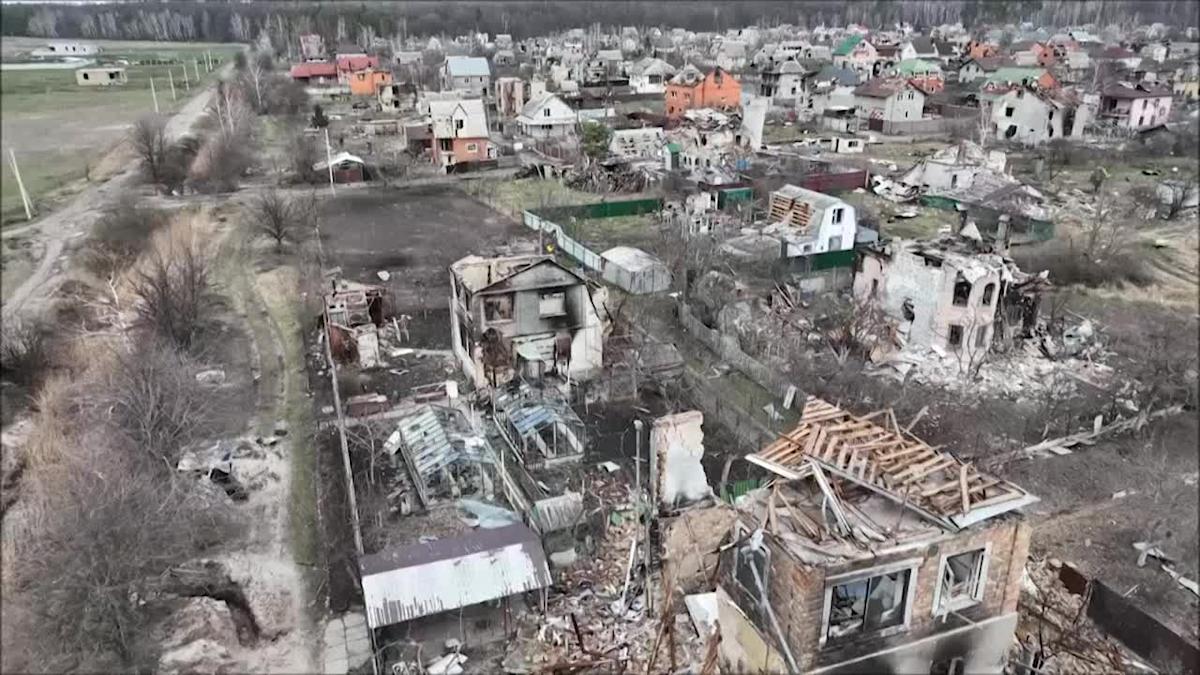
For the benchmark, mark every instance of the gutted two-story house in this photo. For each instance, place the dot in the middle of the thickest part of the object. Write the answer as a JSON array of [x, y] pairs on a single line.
[[1135, 106], [691, 89], [873, 552], [525, 315], [887, 104]]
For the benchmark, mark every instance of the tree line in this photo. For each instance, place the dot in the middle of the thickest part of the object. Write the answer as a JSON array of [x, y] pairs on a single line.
[[360, 22]]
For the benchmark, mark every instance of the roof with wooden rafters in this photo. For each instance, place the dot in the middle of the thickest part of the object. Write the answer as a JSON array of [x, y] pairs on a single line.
[[874, 452]]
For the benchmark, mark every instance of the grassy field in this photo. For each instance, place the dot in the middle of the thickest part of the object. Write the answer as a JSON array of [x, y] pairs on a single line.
[[60, 130]]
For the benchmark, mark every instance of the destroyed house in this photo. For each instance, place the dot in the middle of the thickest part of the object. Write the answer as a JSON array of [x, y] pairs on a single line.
[[352, 316], [473, 580], [524, 315], [815, 222], [951, 294], [873, 553]]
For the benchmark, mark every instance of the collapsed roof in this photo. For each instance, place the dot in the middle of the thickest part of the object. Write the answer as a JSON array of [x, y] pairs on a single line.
[[892, 463]]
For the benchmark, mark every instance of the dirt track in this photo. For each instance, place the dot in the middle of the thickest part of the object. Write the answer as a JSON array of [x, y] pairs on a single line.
[[54, 230]]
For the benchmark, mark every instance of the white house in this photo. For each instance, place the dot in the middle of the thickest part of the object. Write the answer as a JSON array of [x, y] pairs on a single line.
[[891, 100], [812, 222], [1135, 106], [650, 75], [468, 74], [547, 117], [1032, 117]]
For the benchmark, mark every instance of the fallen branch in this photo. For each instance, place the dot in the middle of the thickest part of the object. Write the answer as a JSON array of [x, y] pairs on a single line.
[[1062, 445]]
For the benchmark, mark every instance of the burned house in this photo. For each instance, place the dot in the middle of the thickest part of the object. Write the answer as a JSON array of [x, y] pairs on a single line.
[[353, 314], [953, 294], [873, 553], [524, 315]]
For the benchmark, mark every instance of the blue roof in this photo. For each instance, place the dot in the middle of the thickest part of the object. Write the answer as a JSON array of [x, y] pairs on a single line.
[[530, 418], [467, 66]]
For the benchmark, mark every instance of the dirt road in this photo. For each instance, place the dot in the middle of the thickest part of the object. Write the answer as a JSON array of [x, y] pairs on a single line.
[[54, 230]]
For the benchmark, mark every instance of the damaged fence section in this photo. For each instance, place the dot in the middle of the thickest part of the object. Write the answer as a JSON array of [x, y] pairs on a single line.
[[630, 269]]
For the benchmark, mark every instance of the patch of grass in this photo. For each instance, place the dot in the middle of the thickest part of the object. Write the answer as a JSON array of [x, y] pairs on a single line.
[[515, 196], [601, 234]]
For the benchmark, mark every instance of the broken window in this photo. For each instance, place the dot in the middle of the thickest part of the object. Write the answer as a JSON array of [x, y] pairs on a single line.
[[953, 180], [962, 582], [446, 144], [552, 304], [1008, 111], [497, 308], [956, 332], [989, 291], [837, 216], [906, 310], [868, 605], [875, 289], [962, 292], [458, 124], [472, 147]]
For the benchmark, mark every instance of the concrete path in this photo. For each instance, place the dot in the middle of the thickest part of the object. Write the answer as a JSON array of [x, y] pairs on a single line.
[[347, 645]]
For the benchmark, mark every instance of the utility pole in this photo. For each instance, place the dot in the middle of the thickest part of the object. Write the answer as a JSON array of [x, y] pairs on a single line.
[[653, 513], [645, 534], [154, 94], [329, 162], [21, 185], [171, 79]]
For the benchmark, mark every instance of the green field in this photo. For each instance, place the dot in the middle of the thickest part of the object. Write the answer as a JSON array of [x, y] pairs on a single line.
[[59, 130]]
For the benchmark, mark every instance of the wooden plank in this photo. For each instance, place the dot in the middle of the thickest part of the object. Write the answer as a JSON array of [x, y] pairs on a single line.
[[841, 458], [816, 440], [895, 455], [962, 485], [942, 463], [822, 416], [915, 467]]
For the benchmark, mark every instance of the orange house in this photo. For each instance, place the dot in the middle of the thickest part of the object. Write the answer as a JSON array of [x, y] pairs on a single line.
[[692, 89], [979, 50], [367, 82]]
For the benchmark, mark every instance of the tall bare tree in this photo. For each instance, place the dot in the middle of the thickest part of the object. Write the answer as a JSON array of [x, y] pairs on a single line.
[[149, 139], [172, 292], [281, 218]]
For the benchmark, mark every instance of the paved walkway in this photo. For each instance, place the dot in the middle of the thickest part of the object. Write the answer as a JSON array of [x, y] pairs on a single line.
[[347, 644]]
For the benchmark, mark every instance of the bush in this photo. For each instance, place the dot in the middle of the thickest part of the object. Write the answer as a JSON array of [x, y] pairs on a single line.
[[24, 353], [120, 236], [1069, 265]]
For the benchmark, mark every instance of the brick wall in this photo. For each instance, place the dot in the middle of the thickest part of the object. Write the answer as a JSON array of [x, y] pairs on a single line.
[[797, 591]]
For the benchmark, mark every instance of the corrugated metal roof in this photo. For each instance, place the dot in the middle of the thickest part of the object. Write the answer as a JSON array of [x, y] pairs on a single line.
[[557, 513], [423, 579], [426, 439], [467, 66], [529, 419]]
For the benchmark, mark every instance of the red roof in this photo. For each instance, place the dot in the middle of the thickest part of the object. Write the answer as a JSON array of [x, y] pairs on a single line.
[[353, 63], [313, 69]]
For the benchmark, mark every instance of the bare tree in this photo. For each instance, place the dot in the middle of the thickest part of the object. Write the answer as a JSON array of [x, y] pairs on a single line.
[[150, 400], [104, 525], [303, 155], [120, 236], [149, 139], [172, 294], [282, 219]]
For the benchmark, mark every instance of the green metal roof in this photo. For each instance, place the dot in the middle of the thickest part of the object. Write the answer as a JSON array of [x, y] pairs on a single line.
[[847, 45], [1010, 74], [910, 67], [674, 147]]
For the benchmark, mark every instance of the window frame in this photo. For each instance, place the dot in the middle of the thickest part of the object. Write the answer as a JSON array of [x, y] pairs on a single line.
[[544, 296], [911, 565], [977, 593]]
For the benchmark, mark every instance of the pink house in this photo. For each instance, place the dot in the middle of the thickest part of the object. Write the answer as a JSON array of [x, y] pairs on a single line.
[[1135, 106]]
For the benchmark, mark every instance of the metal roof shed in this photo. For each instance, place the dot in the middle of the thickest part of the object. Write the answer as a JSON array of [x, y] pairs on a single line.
[[409, 582]]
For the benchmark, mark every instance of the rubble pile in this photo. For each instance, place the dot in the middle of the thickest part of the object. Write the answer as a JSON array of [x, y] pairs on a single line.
[[604, 179], [601, 602], [1054, 633]]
